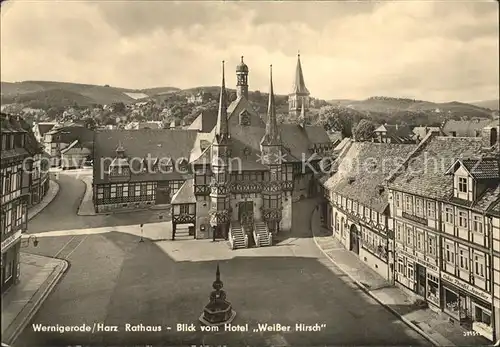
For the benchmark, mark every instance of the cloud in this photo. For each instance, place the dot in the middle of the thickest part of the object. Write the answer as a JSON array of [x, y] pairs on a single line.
[[426, 50]]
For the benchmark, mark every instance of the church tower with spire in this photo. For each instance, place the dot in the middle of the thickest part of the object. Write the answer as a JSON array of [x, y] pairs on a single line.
[[219, 198], [298, 99], [242, 80], [271, 156]]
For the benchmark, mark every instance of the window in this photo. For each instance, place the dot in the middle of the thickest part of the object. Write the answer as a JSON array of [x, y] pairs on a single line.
[[6, 187], [374, 216], [399, 232], [401, 266], [131, 189], [479, 265], [419, 208], [450, 253], [462, 184], [410, 274], [409, 236], [420, 238], [201, 180], [222, 204], [184, 209], [448, 215], [221, 177], [431, 209], [398, 200], [355, 206], [119, 190], [477, 224], [287, 173], [462, 219], [149, 191], [482, 315], [464, 259], [113, 191], [138, 189], [431, 245], [100, 193], [144, 189], [409, 204]]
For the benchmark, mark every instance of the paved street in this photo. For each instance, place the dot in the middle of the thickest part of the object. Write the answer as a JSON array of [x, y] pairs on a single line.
[[61, 214], [115, 279]]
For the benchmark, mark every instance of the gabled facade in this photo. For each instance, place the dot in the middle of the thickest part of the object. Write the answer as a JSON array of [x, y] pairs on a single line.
[[440, 200], [393, 133], [14, 202]]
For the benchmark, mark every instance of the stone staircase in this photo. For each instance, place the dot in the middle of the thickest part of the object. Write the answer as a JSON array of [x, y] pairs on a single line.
[[237, 237], [261, 235]]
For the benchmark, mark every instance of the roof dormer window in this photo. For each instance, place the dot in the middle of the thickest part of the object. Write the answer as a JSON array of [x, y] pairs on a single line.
[[462, 184]]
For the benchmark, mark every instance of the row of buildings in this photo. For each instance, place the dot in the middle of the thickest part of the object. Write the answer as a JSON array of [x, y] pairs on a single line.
[[426, 217], [24, 180]]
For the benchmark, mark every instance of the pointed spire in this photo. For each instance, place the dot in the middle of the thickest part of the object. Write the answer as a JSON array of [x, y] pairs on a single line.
[[217, 285], [299, 85], [272, 134], [221, 130]]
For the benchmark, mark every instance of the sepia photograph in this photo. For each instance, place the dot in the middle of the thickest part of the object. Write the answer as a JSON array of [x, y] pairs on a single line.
[[250, 173]]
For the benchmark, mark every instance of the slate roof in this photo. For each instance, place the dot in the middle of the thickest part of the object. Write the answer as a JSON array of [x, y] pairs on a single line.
[[76, 148], [185, 194], [316, 134], [488, 199], [494, 208], [11, 124], [398, 133], [299, 85], [205, 122], [421, 132], [68, 134], [362, 169], [426, 167], [480, 168], [139, 144], [44, 128], [467, 128]]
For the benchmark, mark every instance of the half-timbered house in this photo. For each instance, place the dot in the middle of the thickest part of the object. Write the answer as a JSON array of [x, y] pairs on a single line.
[[13, 201], [236, 182], [443, 236]]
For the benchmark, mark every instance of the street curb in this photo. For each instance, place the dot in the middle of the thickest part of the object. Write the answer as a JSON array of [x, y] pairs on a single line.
[[48, 203], [365, 290], [39, 302]]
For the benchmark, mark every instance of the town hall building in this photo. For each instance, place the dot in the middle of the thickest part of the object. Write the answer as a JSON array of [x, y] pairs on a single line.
[[237, 182]]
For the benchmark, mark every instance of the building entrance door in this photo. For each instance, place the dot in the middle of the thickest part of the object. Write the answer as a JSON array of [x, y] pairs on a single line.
[[245, 213], [421, 280], [163, 193], [354, 236]]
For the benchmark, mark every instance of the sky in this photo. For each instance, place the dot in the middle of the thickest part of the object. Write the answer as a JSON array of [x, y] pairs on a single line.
[[438, 51]]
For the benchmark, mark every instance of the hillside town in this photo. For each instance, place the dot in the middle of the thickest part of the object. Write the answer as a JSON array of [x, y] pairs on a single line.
[[409, 212]]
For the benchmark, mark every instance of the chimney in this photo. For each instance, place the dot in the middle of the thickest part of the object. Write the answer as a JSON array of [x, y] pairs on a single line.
[[489, 136]]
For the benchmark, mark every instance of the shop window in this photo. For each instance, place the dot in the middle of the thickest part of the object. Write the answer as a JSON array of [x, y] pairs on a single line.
[[432, 288], [452, 305], [401, 266], [410, 273], [482, 315]]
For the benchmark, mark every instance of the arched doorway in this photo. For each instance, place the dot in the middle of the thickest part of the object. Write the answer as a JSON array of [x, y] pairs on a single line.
[[354, 239]]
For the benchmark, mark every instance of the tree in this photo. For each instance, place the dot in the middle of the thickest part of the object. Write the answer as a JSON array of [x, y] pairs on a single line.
[[364, 130], [118, 107], [338, 118], [90, 123]]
